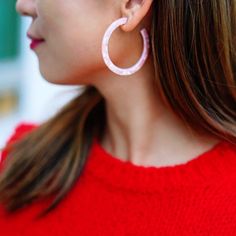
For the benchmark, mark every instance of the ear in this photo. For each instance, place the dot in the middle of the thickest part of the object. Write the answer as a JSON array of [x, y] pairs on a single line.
[[135, 10]]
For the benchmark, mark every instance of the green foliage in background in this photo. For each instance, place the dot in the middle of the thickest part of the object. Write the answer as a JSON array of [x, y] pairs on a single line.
[[9, 29]]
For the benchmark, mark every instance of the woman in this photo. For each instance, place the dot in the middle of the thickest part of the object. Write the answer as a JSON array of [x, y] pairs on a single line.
[[148, 145]]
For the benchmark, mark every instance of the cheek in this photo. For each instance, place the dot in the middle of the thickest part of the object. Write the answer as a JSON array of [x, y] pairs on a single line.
[[70, 54], [73, 41], [78, 41]]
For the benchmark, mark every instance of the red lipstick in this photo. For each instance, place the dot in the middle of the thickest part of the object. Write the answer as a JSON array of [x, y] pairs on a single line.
[[35, 42]]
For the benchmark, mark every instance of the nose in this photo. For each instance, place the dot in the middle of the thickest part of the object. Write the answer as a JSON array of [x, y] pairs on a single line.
[[26, 7]]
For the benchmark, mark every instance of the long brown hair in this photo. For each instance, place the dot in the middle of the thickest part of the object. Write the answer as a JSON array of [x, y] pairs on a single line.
[[194, 55]]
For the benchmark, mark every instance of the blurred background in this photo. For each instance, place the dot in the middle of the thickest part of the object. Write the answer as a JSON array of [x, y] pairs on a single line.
[[24, 95]]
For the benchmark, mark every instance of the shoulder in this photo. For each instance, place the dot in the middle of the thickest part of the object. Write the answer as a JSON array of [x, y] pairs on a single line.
[[18, 132], [228, 149]]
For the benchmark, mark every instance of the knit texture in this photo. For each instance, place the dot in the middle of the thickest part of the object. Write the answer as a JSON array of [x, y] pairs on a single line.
[[115, 197]]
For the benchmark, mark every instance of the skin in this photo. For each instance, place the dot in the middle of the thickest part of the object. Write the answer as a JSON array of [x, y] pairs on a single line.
[[140, 127]]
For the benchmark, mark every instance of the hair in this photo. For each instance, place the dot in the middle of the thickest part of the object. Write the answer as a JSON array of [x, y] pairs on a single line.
[[194, 55]]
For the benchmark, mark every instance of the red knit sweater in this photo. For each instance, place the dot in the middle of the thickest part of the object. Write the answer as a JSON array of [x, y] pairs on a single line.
[[114, 197]]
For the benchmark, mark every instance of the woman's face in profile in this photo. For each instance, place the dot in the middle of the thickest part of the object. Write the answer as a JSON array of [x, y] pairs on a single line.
[[72, 31]]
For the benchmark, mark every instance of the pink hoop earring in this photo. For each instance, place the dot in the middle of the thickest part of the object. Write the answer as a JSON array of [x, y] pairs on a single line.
[[105, 51]]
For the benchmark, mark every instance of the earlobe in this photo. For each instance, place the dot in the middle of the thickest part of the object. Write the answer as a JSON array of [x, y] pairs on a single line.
[[135, 13]]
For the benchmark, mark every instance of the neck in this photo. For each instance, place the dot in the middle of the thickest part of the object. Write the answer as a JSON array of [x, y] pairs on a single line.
[[140, 128]]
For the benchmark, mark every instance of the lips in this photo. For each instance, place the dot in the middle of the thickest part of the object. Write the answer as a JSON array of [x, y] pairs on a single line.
[[35, 43], [38, 40]]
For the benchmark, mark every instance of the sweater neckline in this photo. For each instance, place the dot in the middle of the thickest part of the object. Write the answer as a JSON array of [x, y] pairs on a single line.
[[202, 169]]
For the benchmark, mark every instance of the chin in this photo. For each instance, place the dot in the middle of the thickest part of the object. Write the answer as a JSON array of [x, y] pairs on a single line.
[[58, 80], [52, 77], [54, 80], [63, 76]]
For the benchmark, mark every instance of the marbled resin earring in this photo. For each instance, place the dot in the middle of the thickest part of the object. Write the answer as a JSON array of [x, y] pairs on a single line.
[[105, 51]]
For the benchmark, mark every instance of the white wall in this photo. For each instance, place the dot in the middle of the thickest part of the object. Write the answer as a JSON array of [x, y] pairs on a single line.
[[38, 98]]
